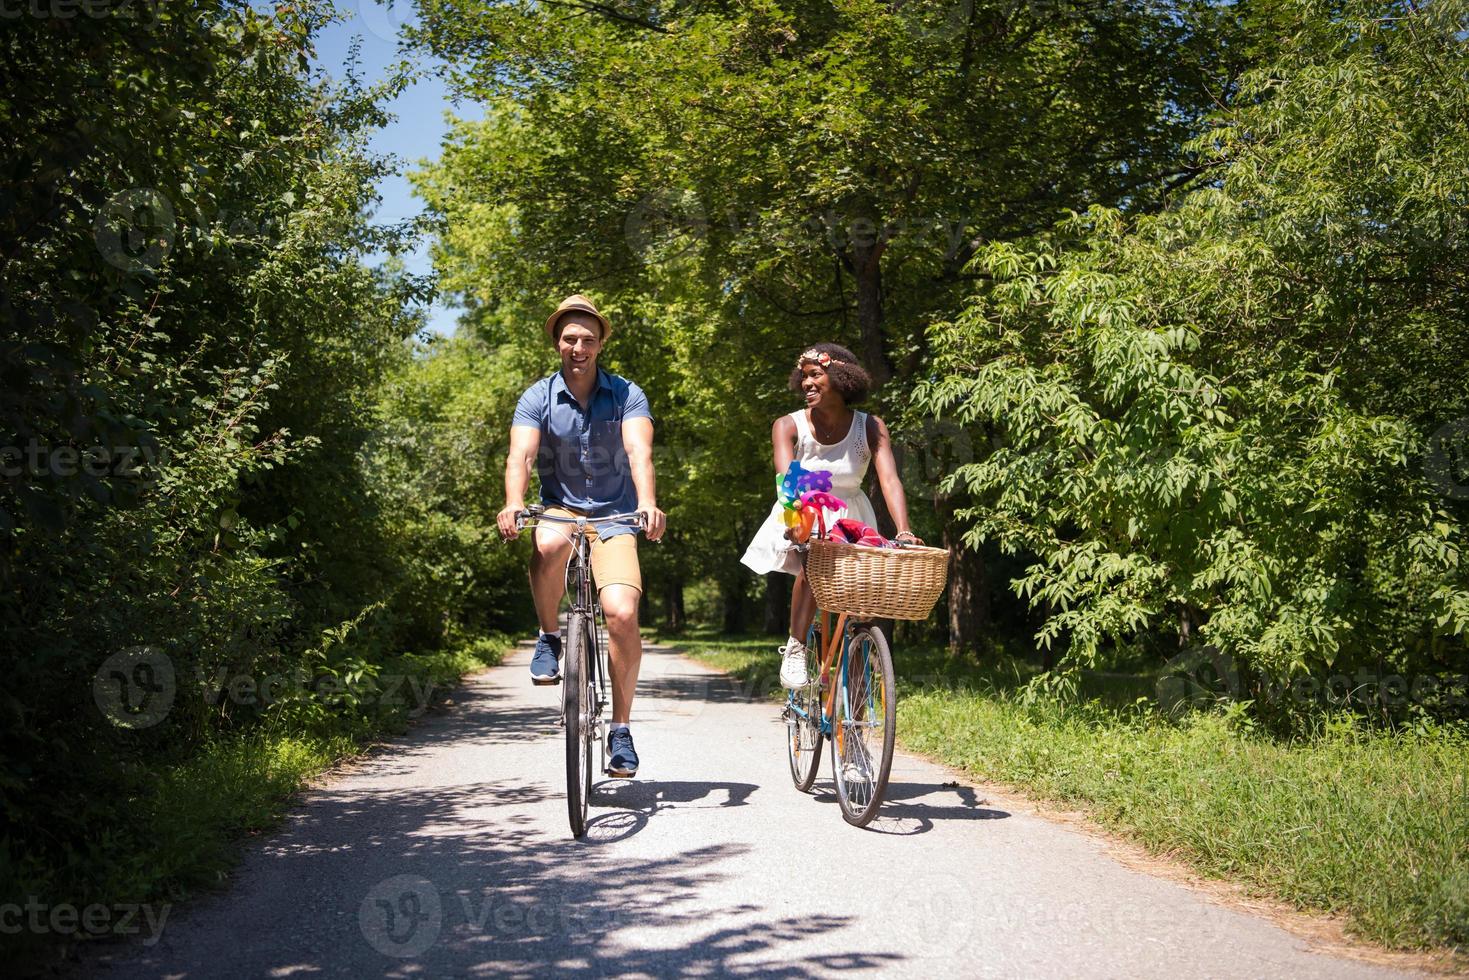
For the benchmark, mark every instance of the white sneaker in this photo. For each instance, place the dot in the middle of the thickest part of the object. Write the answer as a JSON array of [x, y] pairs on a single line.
[[793, 666]]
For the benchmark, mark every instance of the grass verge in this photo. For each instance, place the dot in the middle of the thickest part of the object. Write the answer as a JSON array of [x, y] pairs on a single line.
[[1369, 825]]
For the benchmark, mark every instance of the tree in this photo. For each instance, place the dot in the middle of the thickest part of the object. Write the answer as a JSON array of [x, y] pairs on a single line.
[[1217, 422], [762, 174]]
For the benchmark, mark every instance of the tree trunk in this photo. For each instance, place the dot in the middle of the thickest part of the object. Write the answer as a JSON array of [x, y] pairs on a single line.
[[732, 602], [673, 603], [777, 618], [866, 265], [969, 605], [867, 278]]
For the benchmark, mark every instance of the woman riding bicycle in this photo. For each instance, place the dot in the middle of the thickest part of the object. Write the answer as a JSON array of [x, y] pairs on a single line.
[[827, 434]]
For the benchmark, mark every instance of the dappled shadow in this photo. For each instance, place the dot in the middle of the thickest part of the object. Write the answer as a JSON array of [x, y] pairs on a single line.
[[384, 877], [415, 882]]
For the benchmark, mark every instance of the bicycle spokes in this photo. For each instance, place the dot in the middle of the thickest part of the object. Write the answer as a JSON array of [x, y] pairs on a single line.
[[862, 743]]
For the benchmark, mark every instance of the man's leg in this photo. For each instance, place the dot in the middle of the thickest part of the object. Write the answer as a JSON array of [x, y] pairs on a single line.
[[548, 560], [548, 557], [620, 609], [615, 567]]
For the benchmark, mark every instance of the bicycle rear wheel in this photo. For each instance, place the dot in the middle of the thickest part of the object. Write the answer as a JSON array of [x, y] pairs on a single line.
[[803, 720], [864, 718], [576, 703]]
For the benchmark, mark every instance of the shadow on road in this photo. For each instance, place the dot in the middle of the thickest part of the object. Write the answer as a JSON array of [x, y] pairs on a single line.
[[423, 882], [633, 802], [914, 808]]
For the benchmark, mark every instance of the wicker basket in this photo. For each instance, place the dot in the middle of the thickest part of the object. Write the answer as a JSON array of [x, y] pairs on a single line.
[[880, 583]]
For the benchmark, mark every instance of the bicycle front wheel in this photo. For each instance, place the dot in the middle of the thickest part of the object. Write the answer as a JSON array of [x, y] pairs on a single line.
[[576, 704], [864, 718], [803, 720]]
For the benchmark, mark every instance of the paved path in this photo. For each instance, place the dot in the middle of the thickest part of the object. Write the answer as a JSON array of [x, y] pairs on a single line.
[[448, 855]]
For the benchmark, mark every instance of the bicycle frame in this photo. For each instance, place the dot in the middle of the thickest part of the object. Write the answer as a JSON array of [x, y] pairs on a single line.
[[835, 643], [582, 590]]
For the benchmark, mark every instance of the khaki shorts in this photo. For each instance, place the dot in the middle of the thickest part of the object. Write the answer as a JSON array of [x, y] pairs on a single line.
[[615, 560]]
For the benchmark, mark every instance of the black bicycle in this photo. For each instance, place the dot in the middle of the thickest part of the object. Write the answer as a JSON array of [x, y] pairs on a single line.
[[586, 685]]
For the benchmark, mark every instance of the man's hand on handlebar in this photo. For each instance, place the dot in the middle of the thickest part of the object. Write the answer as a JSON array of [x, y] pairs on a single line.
[[506, 521], [654, 522]]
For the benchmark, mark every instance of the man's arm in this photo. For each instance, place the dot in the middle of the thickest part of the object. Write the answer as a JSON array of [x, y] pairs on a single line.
[[637, 441], [525, 442]]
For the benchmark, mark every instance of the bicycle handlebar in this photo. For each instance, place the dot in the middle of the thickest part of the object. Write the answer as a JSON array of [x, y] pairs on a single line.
[[524, 517]]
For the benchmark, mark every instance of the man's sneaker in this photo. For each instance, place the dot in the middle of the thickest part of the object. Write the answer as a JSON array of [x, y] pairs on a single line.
[[624, 761], [793, 666], [545, 663]]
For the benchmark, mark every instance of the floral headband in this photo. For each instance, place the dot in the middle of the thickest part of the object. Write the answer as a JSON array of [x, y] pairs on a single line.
[[819, 357]]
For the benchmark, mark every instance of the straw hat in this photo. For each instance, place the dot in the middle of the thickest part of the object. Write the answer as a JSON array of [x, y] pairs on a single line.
[[578, 302]]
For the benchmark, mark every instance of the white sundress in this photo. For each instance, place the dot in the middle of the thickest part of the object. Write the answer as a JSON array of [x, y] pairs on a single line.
[[847, 460]]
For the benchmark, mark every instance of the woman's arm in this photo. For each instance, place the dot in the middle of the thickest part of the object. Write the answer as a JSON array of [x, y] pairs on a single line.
[[887, 473], [783, 442]]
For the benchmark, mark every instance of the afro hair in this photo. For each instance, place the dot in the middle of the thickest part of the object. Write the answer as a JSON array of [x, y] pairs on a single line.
[[848, 377]]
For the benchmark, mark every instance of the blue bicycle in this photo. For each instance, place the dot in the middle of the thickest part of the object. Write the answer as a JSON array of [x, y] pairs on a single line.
[[851, 702]]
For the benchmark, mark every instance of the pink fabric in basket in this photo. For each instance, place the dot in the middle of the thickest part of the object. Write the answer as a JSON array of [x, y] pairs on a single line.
[[855, 532]]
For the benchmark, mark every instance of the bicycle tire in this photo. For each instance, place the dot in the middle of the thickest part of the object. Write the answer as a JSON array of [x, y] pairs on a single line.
[[578, 716], [803, 720], [865, 715]]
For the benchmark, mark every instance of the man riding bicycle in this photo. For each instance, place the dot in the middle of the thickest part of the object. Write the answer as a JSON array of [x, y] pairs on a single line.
[[590, 436]]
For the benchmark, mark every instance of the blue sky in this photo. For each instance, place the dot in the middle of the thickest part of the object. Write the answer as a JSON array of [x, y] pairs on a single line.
[[420, 125]]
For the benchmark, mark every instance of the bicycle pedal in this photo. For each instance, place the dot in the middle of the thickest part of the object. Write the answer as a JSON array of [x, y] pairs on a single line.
[[545, 681]]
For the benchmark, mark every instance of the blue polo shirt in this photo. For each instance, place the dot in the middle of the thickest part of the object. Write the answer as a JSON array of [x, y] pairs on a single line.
[[581, 462]]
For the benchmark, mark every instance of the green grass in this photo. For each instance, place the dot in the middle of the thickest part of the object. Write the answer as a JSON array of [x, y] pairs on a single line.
[[180, 831], [1373, 826]]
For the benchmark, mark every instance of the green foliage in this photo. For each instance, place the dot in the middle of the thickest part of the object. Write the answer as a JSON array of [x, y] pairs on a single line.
[[1211, 422], [1365, 825], [439, 455], [195, 360], [732, 182]]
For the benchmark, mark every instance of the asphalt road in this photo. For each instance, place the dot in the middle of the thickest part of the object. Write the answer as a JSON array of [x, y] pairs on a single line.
[[448, 854]]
